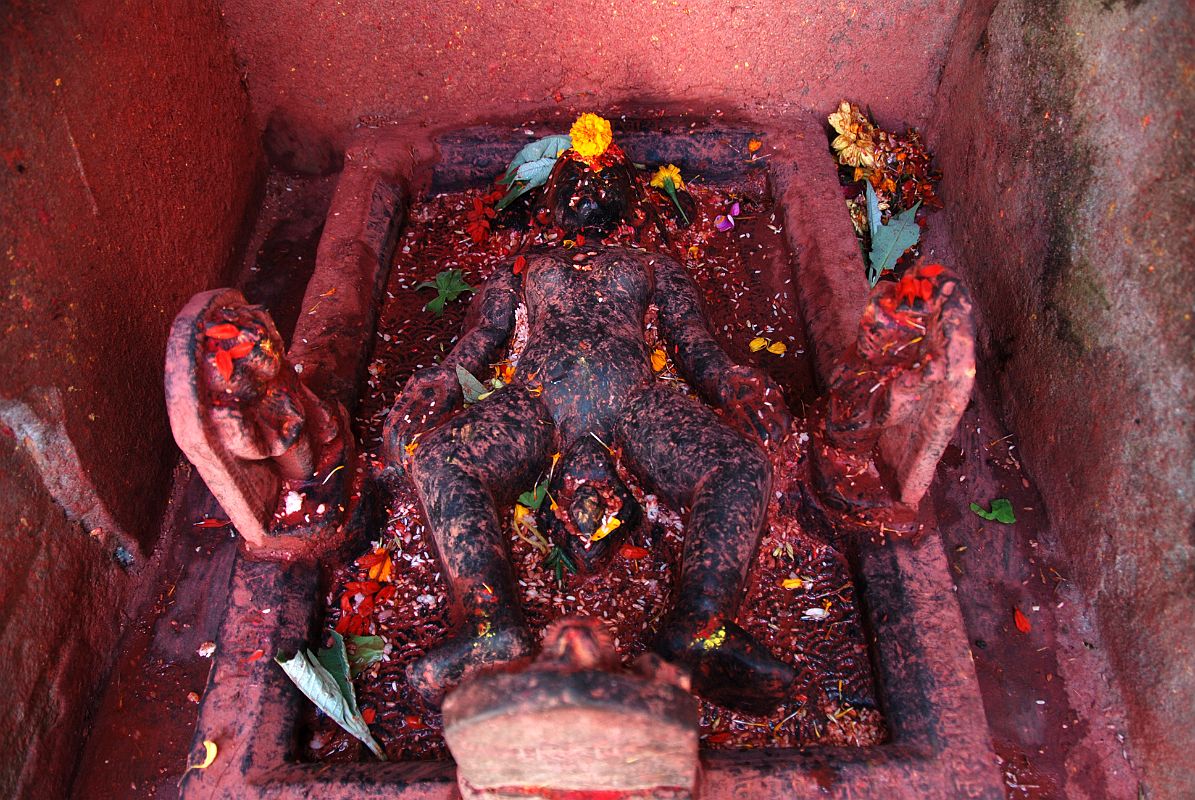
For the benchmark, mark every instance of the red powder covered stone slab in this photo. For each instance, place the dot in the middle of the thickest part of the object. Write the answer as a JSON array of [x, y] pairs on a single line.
[[799, 597]]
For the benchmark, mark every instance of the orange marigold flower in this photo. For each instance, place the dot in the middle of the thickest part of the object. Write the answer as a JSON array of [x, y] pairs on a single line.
[[591, 136]]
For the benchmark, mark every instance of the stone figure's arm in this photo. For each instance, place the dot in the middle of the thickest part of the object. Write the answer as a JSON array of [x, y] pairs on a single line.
[[433, 393], [750, 398]]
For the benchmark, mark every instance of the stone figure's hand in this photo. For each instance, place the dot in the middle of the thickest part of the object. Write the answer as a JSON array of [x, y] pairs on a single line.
[[754, 404], [429, 397]]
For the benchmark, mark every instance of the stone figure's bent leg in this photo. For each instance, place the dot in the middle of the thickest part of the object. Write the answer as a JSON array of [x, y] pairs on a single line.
[[483, 456], [687, 455]]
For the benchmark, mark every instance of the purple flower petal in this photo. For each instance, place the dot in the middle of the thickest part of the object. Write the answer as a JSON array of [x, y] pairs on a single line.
[[723, 223], [734, 210]]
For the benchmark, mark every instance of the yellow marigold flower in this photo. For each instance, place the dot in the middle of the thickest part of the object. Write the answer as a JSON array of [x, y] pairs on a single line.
[[849, 119], [663, 173], [591, 136], [854, 149]]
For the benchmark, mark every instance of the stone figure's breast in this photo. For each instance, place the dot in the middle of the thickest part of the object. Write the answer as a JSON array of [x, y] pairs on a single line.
[[586, 347]]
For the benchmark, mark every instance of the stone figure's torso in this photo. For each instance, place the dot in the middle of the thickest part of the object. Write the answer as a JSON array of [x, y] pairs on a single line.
[[586, 345]]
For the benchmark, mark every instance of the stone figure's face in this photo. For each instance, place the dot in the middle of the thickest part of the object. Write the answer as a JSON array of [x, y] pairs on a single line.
[[581, 199], [254, 372], [883, 332], [260, 389]]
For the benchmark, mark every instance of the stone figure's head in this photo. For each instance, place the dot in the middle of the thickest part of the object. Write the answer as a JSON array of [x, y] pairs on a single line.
[[581, 198], [591, 184], [903, 313], [247, 375]]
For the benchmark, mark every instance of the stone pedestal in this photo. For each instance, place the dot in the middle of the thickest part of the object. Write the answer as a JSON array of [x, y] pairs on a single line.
[[894, 401], [574, 725]]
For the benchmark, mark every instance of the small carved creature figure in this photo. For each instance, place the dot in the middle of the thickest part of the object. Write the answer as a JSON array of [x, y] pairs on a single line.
[[241, 414]]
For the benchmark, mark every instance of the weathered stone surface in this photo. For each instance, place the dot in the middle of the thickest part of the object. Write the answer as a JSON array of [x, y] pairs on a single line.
[[129, 163], [573, 722], [1063, 132]]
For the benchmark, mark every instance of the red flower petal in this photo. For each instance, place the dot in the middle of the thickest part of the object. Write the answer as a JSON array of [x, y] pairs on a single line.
[[1022, 622], [241, 349], [225, 330], [224, 364], [633, 552]]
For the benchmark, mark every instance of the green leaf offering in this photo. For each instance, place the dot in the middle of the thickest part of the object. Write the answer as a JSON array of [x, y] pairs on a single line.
[[324, 678], [559, 562], [1001, 511], [531, 167], [472, 389], [449, 285], [889, 242], [535, 498], [874, 217], [364, 652]]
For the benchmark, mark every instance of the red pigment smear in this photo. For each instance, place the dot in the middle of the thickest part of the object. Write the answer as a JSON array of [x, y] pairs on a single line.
[[745, 274]]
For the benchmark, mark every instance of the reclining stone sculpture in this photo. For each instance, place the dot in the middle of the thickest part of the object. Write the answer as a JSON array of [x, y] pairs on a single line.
[[584, 383]]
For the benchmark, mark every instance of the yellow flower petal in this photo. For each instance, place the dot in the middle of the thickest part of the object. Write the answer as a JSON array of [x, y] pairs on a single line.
[[754, 145], [658, 359], [791, 583], [777, 348], [758, 343], [608, 527], [209, 755], [663, 174], [714, 640]]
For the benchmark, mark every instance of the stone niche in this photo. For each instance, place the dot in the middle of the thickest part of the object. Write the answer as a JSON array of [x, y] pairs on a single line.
[[938, 745]]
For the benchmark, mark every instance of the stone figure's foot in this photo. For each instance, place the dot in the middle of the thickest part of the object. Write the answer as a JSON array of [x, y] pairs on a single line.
[[476, 646], [727, 665]]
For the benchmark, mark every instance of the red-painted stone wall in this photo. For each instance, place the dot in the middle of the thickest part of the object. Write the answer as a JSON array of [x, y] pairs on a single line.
[[129, 160], [1064, 132], [316, 69]]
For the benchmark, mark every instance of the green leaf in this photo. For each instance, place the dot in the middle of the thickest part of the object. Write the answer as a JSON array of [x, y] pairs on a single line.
[[549, 147], [363, 652], [889, 242], [1001, 511], [324, 679], [335, 660], [471, 388], [517, 190], [874, 218], [535, 498], [536, 172], [531, 167], [449, 285], [559, 562]]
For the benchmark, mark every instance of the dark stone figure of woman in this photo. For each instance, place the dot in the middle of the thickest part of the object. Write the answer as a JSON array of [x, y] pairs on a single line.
[[584, 382]]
